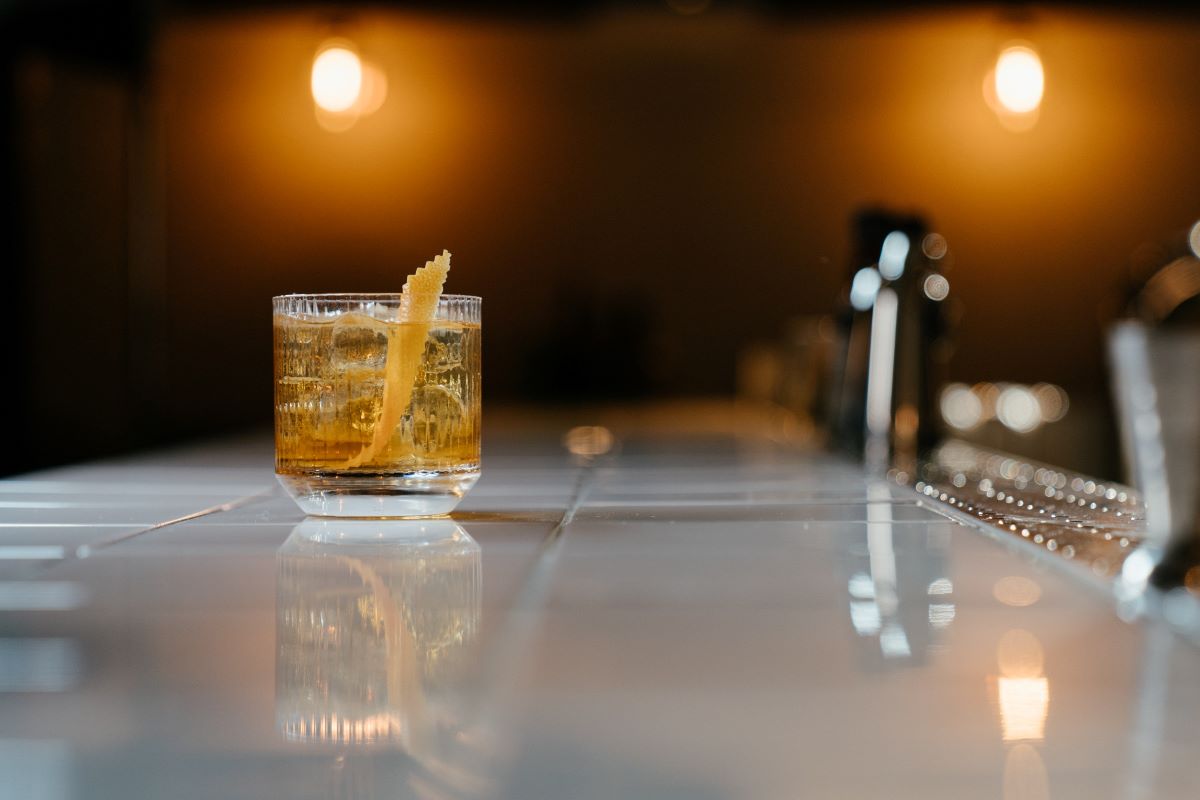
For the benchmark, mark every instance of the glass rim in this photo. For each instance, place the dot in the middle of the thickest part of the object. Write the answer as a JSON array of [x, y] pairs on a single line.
[[378, 296]]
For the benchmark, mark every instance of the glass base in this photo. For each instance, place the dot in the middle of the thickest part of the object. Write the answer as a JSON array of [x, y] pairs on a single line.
[[419, 494]]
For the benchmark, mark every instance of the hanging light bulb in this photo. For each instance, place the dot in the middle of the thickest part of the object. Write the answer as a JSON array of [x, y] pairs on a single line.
[[1019, 79], [1015, 86], [345, 87], [337, 78]]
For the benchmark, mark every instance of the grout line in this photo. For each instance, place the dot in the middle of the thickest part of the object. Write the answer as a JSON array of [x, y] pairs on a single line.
[[524, 617], [583, 487], [85, 551]]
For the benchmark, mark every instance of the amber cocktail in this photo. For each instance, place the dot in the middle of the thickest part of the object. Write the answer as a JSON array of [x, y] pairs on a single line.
[[376, 405]]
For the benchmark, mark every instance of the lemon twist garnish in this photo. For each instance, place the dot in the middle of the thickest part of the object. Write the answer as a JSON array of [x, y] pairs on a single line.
[[406, 345]]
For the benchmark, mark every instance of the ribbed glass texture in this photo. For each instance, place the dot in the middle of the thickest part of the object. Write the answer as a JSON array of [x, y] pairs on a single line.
[[386, 306], [373, 400]]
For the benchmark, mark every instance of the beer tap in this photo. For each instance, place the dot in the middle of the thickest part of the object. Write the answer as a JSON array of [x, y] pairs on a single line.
[[895, 349]]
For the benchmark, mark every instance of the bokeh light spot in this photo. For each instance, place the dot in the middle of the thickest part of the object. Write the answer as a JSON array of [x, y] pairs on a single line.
[[337, 78], [1019, 79]]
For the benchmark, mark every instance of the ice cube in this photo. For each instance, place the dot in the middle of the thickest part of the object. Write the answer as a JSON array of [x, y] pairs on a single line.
[[436, 417], [443, 352], [359, 341]]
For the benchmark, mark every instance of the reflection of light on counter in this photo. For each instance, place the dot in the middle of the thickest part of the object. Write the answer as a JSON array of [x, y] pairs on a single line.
[[861, 586], [1016, 591], [1025, 774], [1023, 706], [941, 615], [40, 665], [940, 586], [41, 595], [346, 730], [893, 642], [864, 613], [1023, 689], [1019, 654], [588, 440], [881, 549], [893, 255], [865, 617], [31, 552]]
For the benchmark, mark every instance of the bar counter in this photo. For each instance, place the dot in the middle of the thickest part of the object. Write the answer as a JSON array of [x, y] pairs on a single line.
[[696, 615]]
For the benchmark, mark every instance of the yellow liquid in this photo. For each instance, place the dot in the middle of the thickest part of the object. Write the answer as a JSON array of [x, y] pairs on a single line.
[[329, 390]]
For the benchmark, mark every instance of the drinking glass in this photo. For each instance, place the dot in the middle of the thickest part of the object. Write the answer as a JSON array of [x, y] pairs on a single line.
[[376, 414]]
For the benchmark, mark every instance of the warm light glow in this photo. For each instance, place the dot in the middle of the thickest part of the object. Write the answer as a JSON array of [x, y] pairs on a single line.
[[1016, 591], [1023, 706], [337, 79], [1194, 239], [987, 394], [961, 407], [1019, 80], [1052, 400], [1019, 654], [1018, 409], [588, 440], [1024, 691], [906, 422]]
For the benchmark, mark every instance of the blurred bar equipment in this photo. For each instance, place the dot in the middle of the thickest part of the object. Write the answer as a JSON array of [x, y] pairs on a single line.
[[1155, 360], [893, 343]]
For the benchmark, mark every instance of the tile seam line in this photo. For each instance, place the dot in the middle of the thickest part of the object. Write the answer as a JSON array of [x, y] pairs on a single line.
[[522, 620], [84, 551]]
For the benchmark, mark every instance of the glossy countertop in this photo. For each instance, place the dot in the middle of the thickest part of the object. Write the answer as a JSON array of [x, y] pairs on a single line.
[[689, 616]]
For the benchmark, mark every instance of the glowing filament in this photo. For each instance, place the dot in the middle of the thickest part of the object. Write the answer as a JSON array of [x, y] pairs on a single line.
[[337, 79], [1019, 80]]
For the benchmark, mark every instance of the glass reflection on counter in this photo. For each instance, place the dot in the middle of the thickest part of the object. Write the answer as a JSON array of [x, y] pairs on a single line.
[[375, 620], [1022, 687], [1023, 703], [901, 598]]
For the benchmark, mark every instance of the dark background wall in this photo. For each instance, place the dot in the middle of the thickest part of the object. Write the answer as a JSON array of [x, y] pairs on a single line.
[[637, 194]]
